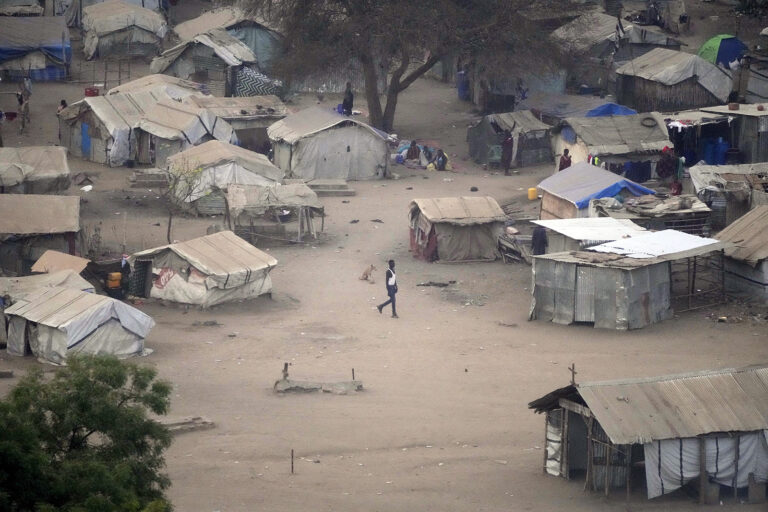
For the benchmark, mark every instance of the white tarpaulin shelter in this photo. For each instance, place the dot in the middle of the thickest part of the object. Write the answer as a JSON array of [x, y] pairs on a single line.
[[670, 244], [580, 233], [206, 271], [76, 8], [18, 287], [34, 170], [52, 323], [171, 86], [120, 27], [215, 165], [318, 143]]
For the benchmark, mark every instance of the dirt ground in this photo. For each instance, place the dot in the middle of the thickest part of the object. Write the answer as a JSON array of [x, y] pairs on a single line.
[[443, 422]]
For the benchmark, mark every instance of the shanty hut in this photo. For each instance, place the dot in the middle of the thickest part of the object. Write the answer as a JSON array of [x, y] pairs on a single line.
[[201, 173], [686, 212], [532, 144], [75, 10], [455, 228], [552, 108], [256, 210], [626, 145], [249, 116], [746, 262], [577, 234], [629, 283], [731, 190], [318, 143], [31, 224], [205, 271], [21, 8], [566, 195], [117, 27], [34, 170], [53, 323], [666, 80], [704, 429], [222, 62], [36, 47], [699, 135], [749, 129]]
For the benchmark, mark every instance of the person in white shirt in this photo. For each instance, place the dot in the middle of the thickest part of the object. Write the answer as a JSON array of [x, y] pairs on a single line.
[[390, 279]]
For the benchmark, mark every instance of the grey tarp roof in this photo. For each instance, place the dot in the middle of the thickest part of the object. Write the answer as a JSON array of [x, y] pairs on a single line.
[[33, 33], [518, 121], [671, 67], [308, 122], [241, 108], [214, 152], [32, 163], [78, 313], [172, 120], [463, 211], [30, 214], [596, 28], [229, 49], [224, 18], [639, 411], [172, 86], [19, 287], [582, 181], [55, 261], [561, 106], [618, 135], [219, 256], [257, 199], [749, 236], [113, 15]]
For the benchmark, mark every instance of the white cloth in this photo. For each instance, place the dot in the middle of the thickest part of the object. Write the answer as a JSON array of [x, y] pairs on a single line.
[[392, 281]]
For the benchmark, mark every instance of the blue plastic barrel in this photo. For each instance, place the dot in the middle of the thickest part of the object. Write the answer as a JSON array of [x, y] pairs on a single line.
[[462, 85]]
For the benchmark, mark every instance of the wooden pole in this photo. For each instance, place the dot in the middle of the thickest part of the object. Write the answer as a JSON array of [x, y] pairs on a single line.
[[736, 472], [291, 460], [702, 471], [588, 478], [608, 449], [564, 447], [546, 440], [629, 470], [353, 374]]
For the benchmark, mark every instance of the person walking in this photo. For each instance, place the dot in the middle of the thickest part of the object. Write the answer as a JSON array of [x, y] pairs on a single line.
[[390, 279], [507, 146], [23, 111]]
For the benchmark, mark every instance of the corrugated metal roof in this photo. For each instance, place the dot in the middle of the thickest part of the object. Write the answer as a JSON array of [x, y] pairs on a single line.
[[30, 214], [668, 244], [744, 110], [518, 121], [749, 236], [726, 177], [680, 406], [241, 108], [596, 28], [618, 135], [228, 48], [308, 122], [460, 210], [593, 228]]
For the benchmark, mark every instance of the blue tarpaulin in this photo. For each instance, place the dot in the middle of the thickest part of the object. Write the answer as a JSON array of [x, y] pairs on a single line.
[[20, 36], [610, 109]]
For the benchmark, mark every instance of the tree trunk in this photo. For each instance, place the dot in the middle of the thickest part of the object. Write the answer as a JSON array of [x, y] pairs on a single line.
[[372, 91], [388, 121], [170, 220]]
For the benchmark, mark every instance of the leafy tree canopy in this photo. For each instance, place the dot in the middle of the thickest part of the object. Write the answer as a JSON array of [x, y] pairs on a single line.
[[82, 440]]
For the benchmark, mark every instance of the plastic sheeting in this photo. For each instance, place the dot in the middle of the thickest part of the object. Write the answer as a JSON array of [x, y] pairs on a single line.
[[468, 243], [34, 169], [194, 290], [610, 109], [671, 463], [117, 22], [20, 36], [75, 9], [18, 287]]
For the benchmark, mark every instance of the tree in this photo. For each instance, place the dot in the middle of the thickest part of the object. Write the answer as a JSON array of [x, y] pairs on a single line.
[[398, 39], [82, 442], [184, 179]]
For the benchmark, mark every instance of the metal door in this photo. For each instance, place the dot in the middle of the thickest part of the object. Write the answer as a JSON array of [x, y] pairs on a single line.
[[585, 294], [85, 143]]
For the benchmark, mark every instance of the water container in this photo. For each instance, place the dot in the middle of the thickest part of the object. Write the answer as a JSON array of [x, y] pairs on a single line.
[[91, 91], [462, 85], [113, 279], [722, 150], [532, 195]]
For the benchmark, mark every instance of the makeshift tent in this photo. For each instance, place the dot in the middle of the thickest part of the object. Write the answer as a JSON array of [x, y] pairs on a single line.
[[170, 127], [20, 8], [699, 135], [202, 172], [610, 109], [36, 47], [746, 262], [566, 194], [34, 170], [669, 426], [666, 80], [205, 271], [16, 288], [74, 11], [732, 190], [31, 224], [256, 210], [55, 261], [532, 145], [318, 143], [117, 27], [576, 234], [628, 145], [628, 283], [748, 128], [551, 107], [455, 228], [53, 323], [723, 49], [225, 64]]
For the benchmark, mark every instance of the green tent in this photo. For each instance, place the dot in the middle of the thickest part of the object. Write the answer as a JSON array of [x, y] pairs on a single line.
[[722, 49]]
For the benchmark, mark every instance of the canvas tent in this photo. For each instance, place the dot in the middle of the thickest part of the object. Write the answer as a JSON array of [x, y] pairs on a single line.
[[31, 224], [532, 144], [626, 145], [36, 47], [204, 171], [722, 49], [205, 271], [74, 11], [117, 27], [455, 228], [577, 234], [170, 86], [20, 8], [666, 80], [746, 263], [732, 190], [250, 116], [318, 143], [629, 283], [669, 426], [53, 323], [34, 170], [566, 194], [17, 288]]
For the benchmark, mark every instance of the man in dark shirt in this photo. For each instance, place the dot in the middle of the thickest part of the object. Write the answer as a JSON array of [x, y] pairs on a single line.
[[390, 279], [565, 161], [539, 240], [349, 100], [507, 146]]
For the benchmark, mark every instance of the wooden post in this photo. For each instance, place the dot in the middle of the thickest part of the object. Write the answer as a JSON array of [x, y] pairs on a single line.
[[629, 470], [722, 276], [702, 471], [322, 222], [301, 221], [736, 472], [564, 447], [590, 470], [688, 280], [546, 440], [353, 374], [608, 449], [693, 284], [291, 460]]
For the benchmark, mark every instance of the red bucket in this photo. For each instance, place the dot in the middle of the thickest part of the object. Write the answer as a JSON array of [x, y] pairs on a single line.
[[10, 115], [91, 91]]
